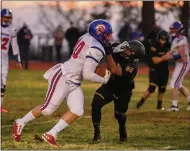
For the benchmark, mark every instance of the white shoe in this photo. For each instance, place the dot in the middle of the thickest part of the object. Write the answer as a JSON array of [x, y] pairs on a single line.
[[188, 108], [17, 130], [173, 108]]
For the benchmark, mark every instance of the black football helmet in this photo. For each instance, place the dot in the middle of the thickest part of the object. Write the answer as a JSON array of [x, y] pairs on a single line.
[[132, 51], [162, 34]]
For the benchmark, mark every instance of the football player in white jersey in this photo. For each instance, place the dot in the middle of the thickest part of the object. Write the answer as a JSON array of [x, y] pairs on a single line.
[[180, 53], [65, 78], [8, 35]]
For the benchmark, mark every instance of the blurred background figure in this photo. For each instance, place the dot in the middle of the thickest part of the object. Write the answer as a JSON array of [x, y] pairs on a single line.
[[24, 37], [137, 34], [152, 34], [124, 33], [72, 34], [58, 39]]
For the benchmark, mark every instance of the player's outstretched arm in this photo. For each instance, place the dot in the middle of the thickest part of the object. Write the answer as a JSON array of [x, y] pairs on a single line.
[[90, 64]]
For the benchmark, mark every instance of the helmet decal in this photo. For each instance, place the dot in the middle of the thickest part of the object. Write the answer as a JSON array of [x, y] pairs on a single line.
[[100, 29]]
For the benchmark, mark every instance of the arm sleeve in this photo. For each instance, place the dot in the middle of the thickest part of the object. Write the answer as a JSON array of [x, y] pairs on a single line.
[[90, 64], [179, 42]]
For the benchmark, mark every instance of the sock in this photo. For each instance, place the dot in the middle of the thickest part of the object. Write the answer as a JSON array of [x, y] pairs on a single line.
[[96, 128], [142, 100], [188, 98], [159, 102], [28, 117], [174, 103], [96, 118], [58, 127]]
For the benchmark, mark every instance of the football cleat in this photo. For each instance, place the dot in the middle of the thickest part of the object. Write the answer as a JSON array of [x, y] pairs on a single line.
[[3, 110], [17, 130], [123, 134], [173, 108], [96, 138], [50, 139]]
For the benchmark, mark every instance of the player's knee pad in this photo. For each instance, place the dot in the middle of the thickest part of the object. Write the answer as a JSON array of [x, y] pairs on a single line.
[[151, 88], [98, 101], [120, 116], [48, 110], [161, 89]]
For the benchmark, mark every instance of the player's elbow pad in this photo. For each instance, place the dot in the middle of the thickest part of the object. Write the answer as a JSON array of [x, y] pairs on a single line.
[[176, 57]]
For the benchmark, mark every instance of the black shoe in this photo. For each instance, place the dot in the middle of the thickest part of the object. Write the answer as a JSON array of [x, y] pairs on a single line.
[[123, 134], [96, 138], [159, 107], [139, 104]]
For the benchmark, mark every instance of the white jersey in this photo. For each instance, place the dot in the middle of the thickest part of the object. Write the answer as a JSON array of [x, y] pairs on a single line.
[[180, 41], [86, 55], [8, 35]]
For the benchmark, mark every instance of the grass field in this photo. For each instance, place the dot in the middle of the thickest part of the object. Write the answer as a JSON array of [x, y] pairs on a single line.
[[148, 129]]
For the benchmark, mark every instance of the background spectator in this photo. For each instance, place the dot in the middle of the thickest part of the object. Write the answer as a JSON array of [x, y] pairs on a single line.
[[72, 35], [137, 34], [58, 39], [24, 37], [125, 32]]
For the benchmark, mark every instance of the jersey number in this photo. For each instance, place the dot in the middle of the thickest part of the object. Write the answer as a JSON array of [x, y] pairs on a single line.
[[77, 49], [4, 43], [129, 69]]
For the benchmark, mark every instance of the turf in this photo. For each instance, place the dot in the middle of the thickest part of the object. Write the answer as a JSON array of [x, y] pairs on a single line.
[[148, 129]]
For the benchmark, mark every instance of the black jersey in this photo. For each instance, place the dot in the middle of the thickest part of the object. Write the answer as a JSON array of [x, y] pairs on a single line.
[[125, 83], [157, 51]]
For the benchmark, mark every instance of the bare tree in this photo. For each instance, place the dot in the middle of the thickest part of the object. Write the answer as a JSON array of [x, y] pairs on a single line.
[[185, 12], [148, 16]]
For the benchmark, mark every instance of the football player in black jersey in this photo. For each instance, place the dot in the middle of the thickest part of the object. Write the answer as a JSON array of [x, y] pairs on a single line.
[[124, 64], [158, 73]]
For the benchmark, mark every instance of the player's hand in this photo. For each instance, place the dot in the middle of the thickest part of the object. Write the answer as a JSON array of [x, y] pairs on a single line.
[[107, 76], [19, 65], [121, 47], [108, 48], [157, 60]]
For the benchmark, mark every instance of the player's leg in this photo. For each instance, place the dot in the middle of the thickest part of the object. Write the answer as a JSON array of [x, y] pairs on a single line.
[[184, 91], [75, 102], [102, 96], [121, 103], [2, 97], [176, 83], [57, 90], [162, 83], [153, 78]]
